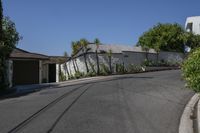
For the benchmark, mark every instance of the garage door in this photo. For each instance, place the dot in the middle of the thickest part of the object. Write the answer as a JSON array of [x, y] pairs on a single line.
[[25, 72]]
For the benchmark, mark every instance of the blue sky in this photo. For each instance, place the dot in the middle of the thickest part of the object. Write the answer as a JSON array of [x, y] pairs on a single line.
[[49, 26]]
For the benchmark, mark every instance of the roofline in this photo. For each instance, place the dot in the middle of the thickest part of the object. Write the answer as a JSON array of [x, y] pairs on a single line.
[[43, 58], [23, 58]]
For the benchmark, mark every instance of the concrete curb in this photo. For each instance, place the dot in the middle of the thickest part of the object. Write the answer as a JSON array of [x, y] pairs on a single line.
[[198, 116], [186, 123]]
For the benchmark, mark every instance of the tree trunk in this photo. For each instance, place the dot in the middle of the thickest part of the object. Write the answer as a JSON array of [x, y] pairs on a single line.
[[110, 66], [74, 65], [60, 75], [86, 65], [97, 58], [157, 58], [146, 54], [67, 70]]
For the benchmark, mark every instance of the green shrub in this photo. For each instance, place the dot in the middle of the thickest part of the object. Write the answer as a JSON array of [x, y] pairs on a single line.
[[79, 74], [92, 66], [104, 70], [191, 70], [71, 77], [173, 63], [91, 74], [62, 76], [120, 69], [134, 68], [149, 63], [160, 63]]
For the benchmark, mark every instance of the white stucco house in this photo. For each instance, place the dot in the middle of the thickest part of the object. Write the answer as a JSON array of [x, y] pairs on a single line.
[[193, 24]]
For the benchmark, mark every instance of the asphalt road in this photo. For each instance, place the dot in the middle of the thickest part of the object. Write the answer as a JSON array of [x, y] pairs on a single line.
[[139, 103]]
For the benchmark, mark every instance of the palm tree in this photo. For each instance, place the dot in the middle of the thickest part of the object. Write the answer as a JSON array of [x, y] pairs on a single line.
[[84, 45], [74, 51], [65, 64], [97, 43], [109, 59]]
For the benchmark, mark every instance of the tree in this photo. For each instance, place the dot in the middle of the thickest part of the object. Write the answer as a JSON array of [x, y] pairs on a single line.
[[2, 82], [143, 43], [166, 37], [110, 59], [9, 39], [65, 65], [192, 40], [97, 43], [1, 19], [84, 46]]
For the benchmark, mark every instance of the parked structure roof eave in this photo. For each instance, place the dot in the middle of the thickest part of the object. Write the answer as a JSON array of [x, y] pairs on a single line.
[[22, 54]]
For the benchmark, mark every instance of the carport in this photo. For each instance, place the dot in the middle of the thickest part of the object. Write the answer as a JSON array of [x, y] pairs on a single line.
[[26, 67]]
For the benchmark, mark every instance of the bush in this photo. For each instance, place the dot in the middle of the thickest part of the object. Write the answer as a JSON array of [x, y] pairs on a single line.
[[90, 74], [134, 68], [92, 66], [79, 74], [148, 63], [120, 69], [191, 70], [71, 77], [163, 63], [62, 76], [104, 70]]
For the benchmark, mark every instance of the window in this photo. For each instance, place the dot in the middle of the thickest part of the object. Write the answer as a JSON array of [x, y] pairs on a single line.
[[189, 27]]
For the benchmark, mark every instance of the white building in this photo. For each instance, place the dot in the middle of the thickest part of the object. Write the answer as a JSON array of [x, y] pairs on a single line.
[[193, 24]]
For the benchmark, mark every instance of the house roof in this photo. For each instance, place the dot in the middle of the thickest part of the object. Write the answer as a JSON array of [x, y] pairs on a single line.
[[57, 59], [116, 48], [22, 54]]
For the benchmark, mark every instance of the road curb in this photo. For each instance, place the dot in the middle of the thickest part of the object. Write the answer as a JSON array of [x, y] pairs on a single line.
[[186, 122], [198, 116]]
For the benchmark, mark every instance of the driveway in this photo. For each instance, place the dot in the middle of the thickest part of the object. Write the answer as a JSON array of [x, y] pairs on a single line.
[[139, 103]]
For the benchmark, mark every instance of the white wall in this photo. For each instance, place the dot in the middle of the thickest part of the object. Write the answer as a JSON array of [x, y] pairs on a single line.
[[133, 58], [172, 57], [195, 24], [57, 73], [126, 57]]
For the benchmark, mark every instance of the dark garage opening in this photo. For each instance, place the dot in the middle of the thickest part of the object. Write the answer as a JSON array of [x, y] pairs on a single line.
[[25, 72], [52, 73]]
